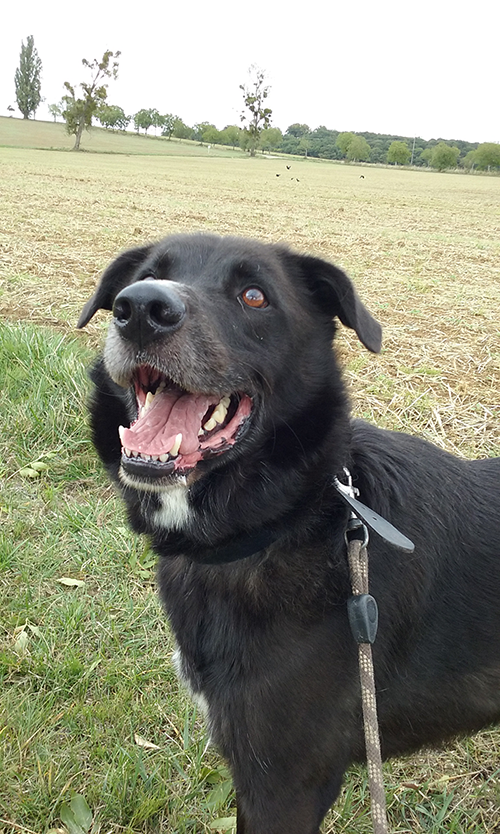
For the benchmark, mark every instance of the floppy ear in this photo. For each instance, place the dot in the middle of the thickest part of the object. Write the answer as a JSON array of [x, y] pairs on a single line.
[[114, 279], [336, 295]]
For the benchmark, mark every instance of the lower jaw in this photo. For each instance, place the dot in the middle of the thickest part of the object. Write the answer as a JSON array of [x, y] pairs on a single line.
[[150, 476]]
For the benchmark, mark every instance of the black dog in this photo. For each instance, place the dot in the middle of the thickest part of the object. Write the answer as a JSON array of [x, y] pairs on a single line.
[[219, 410]]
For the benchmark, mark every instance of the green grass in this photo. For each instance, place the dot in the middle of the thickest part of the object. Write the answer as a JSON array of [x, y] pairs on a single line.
[[90, 703], [21, 133], [85, 668]]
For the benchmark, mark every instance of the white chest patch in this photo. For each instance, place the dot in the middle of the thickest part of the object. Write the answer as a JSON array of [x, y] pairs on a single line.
[[175, 511]]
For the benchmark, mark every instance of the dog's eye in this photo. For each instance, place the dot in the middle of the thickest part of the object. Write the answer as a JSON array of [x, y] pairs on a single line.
[[253, 297]]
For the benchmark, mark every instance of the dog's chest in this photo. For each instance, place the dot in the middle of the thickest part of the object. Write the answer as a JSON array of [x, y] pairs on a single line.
[[175, 511]]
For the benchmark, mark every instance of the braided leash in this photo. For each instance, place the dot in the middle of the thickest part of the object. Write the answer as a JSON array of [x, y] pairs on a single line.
[[363, 619], [362, 608]]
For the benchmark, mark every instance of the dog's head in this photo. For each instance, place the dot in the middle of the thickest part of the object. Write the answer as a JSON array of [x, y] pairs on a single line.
[[206, 330]]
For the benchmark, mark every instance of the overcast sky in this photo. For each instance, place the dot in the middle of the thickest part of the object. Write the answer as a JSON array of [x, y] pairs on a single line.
[[428, 68]]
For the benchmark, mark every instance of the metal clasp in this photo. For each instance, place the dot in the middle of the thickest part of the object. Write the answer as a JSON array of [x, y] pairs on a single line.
[[355, 524]]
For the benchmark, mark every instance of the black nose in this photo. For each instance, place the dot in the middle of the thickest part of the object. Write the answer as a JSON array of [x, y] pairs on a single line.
[[148, 310]]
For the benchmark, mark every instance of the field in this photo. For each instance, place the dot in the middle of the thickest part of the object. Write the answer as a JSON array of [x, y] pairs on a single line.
[[89, 704]]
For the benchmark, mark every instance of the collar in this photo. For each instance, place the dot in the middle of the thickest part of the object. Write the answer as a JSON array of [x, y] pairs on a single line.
[[243, 546]]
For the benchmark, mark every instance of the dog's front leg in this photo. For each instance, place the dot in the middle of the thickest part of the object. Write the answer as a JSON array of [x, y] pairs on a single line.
[[270, 808]]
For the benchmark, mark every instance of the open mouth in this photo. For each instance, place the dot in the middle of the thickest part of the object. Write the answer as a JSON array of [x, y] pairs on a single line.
[[175, 429]]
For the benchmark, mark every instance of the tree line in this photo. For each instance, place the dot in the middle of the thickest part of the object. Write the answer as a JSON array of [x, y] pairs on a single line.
[[83, 103]]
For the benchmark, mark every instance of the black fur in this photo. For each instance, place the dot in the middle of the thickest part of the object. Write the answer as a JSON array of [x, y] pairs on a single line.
[[266, 639]]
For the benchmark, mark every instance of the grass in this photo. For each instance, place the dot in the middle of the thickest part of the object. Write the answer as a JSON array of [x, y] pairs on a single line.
[[89, 703], [21, 133]]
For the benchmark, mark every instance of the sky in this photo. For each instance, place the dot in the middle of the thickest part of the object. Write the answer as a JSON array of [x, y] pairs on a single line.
[[429, 68]]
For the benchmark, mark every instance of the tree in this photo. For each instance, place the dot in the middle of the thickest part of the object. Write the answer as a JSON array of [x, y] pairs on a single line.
[[158, 119], [27, 79], [168, 124], [56, 110], [305, 145], [211, 136], [488, 156], [78, 112], [271, 139], [444, 156], [144, 119], [469, 161], [206, 132], [426, 155], [112, 116], [343, 142], [230, 135], [258, 117], [297, 130], [358, 150], [398, 153], [323, 143], [182, 130]]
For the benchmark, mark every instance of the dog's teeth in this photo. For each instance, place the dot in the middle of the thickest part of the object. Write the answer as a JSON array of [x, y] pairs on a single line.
[[210, 424], [161, 387], [154, 457], [164, 458], [225, 402], [174, 451], [220, 413], [128, 452], [149, 399]]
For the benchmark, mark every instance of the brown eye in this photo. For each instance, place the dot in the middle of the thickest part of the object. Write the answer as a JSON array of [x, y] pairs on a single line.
[[253, 297]]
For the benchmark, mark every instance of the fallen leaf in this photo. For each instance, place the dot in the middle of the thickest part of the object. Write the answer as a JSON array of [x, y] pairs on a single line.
[[223, 824], [71, 583], [28, 472], [142, 742]]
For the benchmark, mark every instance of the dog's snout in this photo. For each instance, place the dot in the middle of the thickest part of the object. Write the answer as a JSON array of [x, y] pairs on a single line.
[[148, 310]]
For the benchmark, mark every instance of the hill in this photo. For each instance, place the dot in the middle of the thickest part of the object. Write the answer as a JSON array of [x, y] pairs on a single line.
[[31, 133]]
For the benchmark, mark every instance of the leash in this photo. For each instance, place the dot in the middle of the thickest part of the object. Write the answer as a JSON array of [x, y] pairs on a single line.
[[363, 619]]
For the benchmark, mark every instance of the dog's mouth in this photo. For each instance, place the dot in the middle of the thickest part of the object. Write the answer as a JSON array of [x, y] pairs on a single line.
[[176, 429]]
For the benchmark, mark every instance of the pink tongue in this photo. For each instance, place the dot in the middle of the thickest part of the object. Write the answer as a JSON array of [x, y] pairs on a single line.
[[169, 414]]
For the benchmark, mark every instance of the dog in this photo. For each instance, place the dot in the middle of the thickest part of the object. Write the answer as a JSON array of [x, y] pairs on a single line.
[[218, 408]]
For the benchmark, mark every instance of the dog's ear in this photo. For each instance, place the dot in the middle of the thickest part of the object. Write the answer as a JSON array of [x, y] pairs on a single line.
[[336, 295], [114, 279]]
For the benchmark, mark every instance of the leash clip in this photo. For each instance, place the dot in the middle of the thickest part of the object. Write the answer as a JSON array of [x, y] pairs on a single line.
[[370, 518], [355, 529]]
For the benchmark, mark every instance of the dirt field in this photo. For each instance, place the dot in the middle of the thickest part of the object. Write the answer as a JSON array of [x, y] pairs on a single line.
[[423, 249]]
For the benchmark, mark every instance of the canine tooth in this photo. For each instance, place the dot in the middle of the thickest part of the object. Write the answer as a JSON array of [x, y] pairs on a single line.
[[164, 458], [149, 399], [174, 451], [210, 424]]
